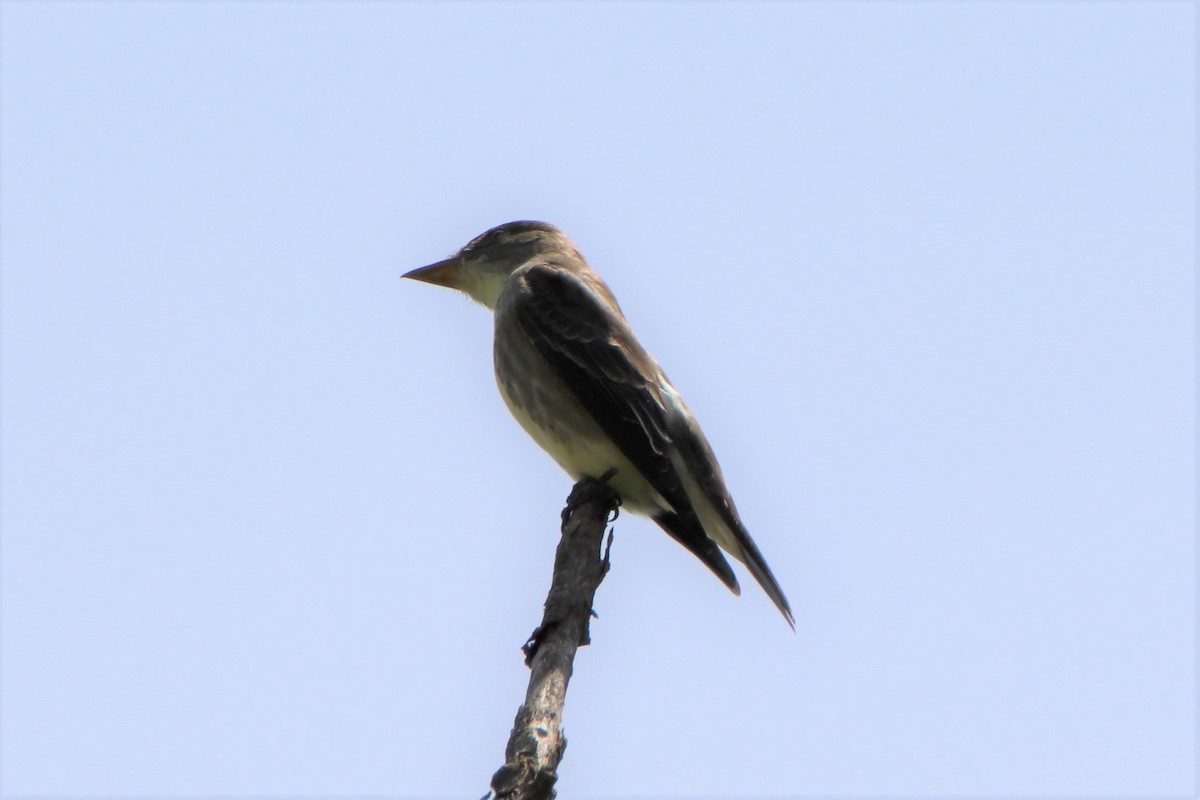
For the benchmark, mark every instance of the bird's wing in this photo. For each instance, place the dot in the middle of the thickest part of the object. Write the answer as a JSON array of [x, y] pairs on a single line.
[[591, 348], [697, 454]]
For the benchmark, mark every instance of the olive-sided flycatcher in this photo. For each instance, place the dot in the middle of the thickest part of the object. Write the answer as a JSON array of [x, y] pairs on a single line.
[[579, 382]]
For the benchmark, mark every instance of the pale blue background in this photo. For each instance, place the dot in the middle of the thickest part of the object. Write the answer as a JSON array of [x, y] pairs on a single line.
[[925, 272]]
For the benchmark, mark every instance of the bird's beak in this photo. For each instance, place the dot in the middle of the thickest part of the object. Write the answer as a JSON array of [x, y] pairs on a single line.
[[443, 273]]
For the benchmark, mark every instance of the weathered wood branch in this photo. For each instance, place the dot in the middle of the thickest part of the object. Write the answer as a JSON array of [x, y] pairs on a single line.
[[536, 744]]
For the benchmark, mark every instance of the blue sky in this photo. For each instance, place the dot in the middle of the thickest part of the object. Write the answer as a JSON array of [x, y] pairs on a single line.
[[924, 272]]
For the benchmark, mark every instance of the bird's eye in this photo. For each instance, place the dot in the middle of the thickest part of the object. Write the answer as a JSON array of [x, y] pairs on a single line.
[[481, 242]]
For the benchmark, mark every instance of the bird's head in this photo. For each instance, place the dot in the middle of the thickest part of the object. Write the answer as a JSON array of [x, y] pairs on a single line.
[[480, 269]]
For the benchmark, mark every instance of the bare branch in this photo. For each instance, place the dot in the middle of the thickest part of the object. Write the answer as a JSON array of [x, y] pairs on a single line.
[[536, 744]]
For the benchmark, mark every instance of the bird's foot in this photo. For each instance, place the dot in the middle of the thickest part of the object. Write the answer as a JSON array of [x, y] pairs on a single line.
[[588, 489]]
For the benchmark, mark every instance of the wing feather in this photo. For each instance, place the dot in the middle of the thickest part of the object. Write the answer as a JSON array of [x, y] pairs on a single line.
[[590, 347]]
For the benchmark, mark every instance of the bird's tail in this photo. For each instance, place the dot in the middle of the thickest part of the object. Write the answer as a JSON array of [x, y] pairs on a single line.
[[754, 561]]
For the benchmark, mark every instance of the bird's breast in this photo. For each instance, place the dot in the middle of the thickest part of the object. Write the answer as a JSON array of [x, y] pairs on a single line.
[[550, 413]]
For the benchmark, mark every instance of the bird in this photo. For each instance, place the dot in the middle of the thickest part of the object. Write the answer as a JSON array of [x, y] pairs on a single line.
[[575, 377]]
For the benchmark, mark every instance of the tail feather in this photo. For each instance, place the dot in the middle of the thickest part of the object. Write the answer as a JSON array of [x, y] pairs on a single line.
[[687, 530], [757, 565]]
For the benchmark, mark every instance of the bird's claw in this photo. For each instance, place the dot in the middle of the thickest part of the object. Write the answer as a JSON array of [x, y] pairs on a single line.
[[587, 489]]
